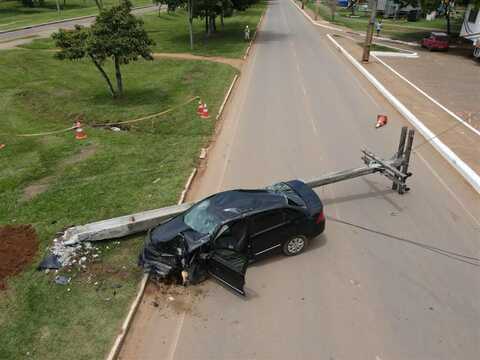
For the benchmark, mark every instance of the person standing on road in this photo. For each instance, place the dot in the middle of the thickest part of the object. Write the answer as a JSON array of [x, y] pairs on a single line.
[[378, 26], [247, 33]]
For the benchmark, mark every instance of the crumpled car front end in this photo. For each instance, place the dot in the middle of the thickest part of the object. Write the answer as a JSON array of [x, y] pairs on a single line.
[[173, 259], [164, 259]]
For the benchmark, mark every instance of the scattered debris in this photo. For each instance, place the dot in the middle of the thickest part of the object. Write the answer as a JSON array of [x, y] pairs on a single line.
[[18, 246], [61, 255], [50, 262], [62, 280], [203, 153]]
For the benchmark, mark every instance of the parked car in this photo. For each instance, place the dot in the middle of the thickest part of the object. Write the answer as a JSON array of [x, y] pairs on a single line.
[[436, 41], [222, 234]]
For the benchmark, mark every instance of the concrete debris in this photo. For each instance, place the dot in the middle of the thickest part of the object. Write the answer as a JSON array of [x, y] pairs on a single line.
[[62, 280], [67, 256]]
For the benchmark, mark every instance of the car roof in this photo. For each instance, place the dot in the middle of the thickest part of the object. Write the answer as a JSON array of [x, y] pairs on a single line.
[[440, 34], [234, 203]]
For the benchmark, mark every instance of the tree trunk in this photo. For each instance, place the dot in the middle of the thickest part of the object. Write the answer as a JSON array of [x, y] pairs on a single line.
[[221, 20], [105, 76], [206, 22], [190, 22], [118, 76], [99, 4], [214, 23], [448, 18], [58, 6]]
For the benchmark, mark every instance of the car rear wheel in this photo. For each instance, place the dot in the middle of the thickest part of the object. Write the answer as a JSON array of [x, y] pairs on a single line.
[[295, 245]]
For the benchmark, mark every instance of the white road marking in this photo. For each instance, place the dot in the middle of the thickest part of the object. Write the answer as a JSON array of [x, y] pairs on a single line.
[[448, 111], [178, 330]]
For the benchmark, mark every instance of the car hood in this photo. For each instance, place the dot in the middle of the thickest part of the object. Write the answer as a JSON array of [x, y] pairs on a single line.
[[166, 232]]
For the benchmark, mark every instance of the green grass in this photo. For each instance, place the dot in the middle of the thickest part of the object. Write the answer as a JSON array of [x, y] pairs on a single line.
[[134, 170], [396, 29], [130, 171], [13, 14], [170, 32]]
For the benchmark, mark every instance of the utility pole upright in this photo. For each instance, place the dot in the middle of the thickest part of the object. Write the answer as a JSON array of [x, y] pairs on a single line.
[[369, 36]]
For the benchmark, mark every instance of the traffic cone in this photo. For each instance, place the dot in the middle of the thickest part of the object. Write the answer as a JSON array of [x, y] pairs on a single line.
[[79, 133], [381, 121], [205, 114], [2, 146], [200, 108]]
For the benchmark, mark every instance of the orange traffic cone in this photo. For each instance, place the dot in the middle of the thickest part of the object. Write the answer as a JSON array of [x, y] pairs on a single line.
[[2, 146], [200, 108], [79, 133], [381, 121], [204, 114]]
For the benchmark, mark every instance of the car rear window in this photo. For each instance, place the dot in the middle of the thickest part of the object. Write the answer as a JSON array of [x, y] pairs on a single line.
[[292, 197]]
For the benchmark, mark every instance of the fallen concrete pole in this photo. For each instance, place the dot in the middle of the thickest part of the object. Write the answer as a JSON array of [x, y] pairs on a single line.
[[121, 226], [395, 169]]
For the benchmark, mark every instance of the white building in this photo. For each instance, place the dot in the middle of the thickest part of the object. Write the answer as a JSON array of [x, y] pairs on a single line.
[[471, 28]]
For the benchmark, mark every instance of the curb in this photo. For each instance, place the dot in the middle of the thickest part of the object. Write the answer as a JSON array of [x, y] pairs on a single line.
[[60, 21], [227, 96], [466, 171], [115, 350], [117, 345], [254, 36], [448, 111]]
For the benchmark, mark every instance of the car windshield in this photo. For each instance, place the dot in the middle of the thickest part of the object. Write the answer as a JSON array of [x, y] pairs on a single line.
[[201, 218]]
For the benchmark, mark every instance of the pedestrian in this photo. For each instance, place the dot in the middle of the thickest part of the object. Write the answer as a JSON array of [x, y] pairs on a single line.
[[378, 26], [247, 33]]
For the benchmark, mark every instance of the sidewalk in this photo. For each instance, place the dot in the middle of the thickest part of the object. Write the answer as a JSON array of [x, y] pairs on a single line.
[[454, 88]]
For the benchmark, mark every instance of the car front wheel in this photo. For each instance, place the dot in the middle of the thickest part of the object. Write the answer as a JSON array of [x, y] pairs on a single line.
[[295, 245]]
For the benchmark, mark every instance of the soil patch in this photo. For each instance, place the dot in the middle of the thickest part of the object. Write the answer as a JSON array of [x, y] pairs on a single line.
[[236, 63], [18, 246]]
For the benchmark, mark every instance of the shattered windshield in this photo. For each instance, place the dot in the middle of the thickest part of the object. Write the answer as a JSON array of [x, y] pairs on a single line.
[[201, 218]]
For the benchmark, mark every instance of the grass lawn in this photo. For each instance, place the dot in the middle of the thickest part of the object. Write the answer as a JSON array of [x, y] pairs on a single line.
[[396, 29], [170, 33], [143, 168], [13, 14]]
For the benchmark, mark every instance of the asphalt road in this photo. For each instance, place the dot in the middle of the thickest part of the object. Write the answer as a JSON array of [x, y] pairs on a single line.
[[392, 289]]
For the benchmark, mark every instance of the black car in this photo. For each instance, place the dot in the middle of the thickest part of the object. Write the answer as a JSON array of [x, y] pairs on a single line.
[[222, 234]]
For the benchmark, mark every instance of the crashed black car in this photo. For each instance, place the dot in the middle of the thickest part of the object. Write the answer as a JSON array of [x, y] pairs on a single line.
[[222, 234]]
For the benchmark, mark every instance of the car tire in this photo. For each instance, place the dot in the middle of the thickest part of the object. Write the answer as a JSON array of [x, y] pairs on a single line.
[[295, 245]]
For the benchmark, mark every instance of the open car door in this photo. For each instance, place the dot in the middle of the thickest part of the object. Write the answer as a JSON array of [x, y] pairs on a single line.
[[229, 267]]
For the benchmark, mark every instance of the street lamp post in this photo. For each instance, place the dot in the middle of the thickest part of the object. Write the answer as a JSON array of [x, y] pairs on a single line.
[[369, 36]]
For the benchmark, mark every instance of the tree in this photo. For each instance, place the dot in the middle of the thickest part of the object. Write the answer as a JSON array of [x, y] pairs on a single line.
[[116, 34], [332, 4], [352, 4]]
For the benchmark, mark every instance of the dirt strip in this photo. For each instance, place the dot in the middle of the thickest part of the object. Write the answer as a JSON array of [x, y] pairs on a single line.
[[236, 63]]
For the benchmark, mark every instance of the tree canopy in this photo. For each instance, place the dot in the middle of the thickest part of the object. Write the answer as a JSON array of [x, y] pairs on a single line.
[[116, 34]]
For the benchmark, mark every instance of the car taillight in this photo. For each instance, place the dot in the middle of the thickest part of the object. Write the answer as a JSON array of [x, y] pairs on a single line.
[[320, 217]]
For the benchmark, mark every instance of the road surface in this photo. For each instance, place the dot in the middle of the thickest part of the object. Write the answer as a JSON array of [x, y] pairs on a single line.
[[381, 288]]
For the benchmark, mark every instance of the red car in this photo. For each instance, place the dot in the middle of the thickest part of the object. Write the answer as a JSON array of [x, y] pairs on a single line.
[[436, 41]]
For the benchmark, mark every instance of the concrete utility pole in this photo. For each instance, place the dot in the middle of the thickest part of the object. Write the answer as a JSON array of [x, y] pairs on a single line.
[[369, 35]]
